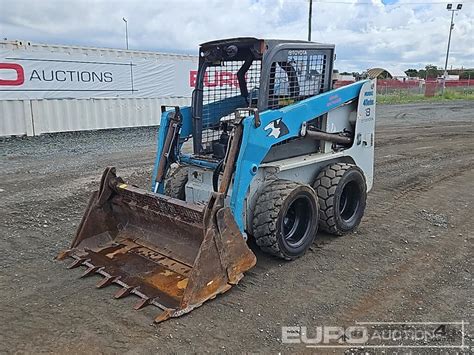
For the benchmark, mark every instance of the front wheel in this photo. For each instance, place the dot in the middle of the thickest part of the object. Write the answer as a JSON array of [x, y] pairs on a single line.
[[285, 219], [342, 194]]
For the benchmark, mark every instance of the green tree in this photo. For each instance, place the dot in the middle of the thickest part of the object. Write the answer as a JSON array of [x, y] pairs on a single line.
[[467, 74], [357, 75], [431, 71], [411, 73]]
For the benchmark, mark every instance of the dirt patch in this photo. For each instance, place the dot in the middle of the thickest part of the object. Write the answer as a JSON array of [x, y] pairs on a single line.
[[410, 260]]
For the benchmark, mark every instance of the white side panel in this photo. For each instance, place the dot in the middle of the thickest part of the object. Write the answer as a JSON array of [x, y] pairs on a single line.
[[362, 151], [34, 117], [16, 118]]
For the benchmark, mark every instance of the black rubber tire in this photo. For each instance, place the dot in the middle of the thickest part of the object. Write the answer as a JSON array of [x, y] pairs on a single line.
[[341, 185], [175, 184], [280, 206]]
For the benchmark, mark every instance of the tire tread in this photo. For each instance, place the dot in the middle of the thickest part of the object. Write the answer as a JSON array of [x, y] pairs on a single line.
[[175, 182], [326, 191], [266, 215]]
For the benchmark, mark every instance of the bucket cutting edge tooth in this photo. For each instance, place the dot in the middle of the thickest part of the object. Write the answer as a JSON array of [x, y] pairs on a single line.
[[164, 315], [107, 281], [124, 292], [90, 271], [64, 254], [142, 303], [77, 262]]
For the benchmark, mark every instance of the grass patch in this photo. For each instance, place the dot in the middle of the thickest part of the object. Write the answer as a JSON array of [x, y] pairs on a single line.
[[403, 97]]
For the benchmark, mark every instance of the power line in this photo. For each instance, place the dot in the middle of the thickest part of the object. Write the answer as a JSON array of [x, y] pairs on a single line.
[[393, 4]]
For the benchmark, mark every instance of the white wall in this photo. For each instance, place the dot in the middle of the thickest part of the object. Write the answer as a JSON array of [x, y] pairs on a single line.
[[15, 118], [34, 117]]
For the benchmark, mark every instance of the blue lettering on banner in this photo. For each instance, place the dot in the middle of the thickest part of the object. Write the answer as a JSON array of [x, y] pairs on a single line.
[[368, 102], [369, 93]]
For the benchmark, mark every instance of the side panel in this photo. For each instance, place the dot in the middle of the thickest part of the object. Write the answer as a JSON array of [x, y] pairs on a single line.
[[36, 117], [362, 151]]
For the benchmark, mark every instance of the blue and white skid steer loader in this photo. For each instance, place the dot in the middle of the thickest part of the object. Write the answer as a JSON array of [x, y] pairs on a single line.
[[267, 149]]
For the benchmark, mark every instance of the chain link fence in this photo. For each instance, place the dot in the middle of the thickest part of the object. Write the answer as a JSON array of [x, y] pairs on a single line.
[[423, 87], [427, 88]]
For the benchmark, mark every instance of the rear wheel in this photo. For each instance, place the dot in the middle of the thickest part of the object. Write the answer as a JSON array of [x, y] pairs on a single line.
[[342, 195], [175, 184], [285, 219]]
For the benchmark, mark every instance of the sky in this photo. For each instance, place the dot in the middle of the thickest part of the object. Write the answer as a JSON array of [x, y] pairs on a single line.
[[394, 34]]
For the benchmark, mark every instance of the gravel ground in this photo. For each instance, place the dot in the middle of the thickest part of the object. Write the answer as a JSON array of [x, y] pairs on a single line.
[[410, 260]]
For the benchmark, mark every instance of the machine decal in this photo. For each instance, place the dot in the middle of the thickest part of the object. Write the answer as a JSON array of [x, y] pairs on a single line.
[[277, 128], [333, 100]]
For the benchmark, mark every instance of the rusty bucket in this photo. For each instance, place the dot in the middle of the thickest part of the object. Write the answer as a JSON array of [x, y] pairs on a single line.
[[171, 254]]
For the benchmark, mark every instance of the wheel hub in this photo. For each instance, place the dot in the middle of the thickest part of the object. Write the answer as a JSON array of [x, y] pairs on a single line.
[[349, 201], [296, 221]]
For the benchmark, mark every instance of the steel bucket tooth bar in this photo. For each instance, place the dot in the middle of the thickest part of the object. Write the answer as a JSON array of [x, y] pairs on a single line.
[[126, 290]]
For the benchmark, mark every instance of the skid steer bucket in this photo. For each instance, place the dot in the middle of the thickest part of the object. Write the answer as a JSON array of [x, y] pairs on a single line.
[[169, 253]]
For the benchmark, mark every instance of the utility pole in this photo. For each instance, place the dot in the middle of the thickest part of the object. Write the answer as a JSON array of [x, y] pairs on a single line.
[[126, 31], [310, 17], [449, 7]]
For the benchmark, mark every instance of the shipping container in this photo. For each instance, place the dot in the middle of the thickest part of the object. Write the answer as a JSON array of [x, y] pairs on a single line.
[[54, 88]]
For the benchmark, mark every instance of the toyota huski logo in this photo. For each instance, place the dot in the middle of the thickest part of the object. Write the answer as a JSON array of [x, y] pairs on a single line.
[[276, 128]]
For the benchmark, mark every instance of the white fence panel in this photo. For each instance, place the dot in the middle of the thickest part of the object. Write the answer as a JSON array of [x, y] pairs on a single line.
[[34, 117], [16, 118]]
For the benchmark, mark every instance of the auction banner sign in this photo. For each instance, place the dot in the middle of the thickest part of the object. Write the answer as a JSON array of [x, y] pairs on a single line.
[[53, 72]]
